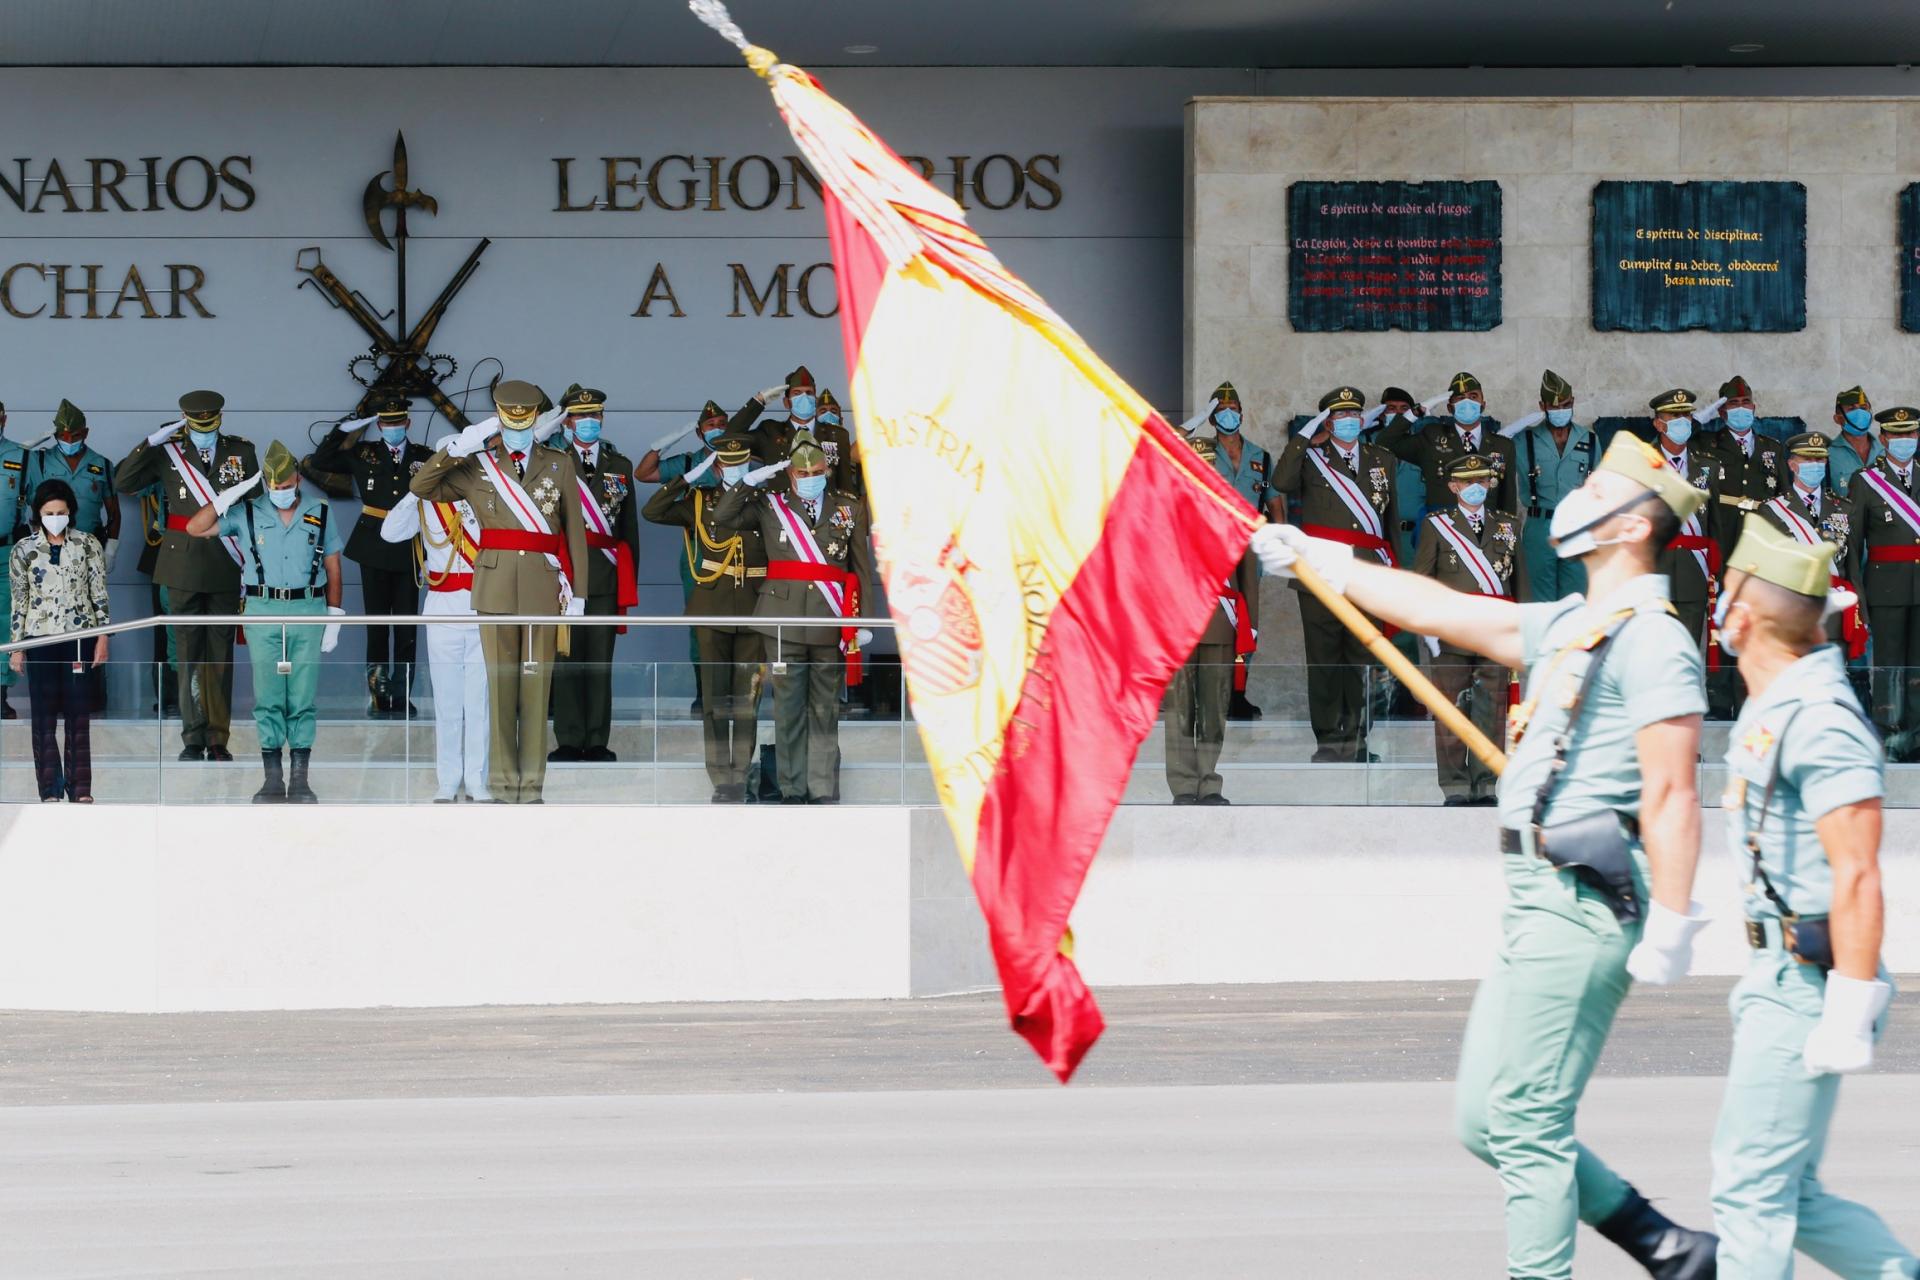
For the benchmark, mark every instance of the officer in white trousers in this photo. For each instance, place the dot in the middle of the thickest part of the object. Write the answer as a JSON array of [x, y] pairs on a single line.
[[449, 538]]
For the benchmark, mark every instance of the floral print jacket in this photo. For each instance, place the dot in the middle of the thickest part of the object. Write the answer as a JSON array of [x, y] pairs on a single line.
[[49, 598]]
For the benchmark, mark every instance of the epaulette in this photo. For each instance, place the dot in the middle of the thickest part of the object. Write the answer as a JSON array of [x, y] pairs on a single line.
[[313, 519]]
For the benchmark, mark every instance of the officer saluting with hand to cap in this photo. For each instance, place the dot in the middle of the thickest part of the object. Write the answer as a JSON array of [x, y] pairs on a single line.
[[1599, 858]]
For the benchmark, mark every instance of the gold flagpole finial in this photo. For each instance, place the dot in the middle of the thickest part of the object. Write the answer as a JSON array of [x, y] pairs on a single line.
[[714, 14]]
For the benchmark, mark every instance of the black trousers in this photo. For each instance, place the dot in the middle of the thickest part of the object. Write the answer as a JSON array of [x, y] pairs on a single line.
[[204, 666], [1896, 667], [1336, 684], [58, 693], [390, 591]]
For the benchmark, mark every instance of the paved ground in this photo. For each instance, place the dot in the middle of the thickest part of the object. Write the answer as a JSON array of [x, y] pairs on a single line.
[[1219, 1132]]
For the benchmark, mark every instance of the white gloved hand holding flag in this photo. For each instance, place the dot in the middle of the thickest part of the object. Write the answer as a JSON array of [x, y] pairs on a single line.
[[1280, 545]]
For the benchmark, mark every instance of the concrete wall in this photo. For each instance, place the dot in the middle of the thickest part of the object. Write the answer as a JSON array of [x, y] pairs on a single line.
[[154, 909]]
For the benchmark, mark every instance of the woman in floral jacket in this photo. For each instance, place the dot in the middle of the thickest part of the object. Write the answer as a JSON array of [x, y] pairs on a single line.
[[59, 586]]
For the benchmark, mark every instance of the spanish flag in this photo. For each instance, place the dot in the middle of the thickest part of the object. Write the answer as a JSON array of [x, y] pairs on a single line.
[[1051, 549]]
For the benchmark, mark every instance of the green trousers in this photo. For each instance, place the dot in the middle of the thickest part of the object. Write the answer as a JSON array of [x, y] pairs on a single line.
[[285, 708], [806, 720], [1479, 688], [1548, 576], [583, 682], [1536, 1030], [1767, 1197], [1196, 721]]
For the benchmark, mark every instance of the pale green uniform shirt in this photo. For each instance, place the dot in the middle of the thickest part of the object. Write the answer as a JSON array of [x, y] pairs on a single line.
[[284, 552]]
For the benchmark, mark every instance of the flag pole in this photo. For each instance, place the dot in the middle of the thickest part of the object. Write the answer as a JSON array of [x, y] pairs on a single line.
[[1382, 648]]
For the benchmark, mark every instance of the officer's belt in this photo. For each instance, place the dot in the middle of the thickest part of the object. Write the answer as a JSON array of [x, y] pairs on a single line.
[[1897, 555], [1768, 935], [1514, 839], [715, 566], [379, 513], [1535, 513], [285, 593], [178, 524], [452, 582], [1743, 504]]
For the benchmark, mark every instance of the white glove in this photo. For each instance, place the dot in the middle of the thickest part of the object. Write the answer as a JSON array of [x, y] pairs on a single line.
[[1434, 402], [473, 439], [772, 393], [1708, 412], [357, 424], [1839, 600], [1279, 545], [331, 636], [760, 475], [1312, 425], [677, 432], [1843, 1039], [1665, 950], [112, 550], [576, 607], [1372, 416], [705, 466], [863, 637], [1433, 645], [1199, 419], [547, 424], [233, 493], [1521, 423], [165, 433]]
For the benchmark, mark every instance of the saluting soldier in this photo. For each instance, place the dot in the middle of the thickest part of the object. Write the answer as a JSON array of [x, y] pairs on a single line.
[[289, 567], [86, 471], [1599, 857], [583, 678], [14, 500], [1805, 781], [1249, 469], [1473, 549], [1692, 560], [1555, 458], [1855, 447], [1345, 489], [201, 576], [153, 530], [1195, 710], [843, 456], [381, 469], [774, 437], [819, 563], [1886, 506], [1409, 487], [728, 568], [1464, 428], [531, 561], [1756, 464], [1810, 514]]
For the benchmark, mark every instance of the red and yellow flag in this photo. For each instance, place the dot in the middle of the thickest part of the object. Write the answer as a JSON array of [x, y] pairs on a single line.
[[1051, 548]]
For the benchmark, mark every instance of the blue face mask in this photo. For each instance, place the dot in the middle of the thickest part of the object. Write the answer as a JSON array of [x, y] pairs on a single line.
[[1858, 420], [712, 434], [802, 404], [517, 441], [203, 439], [394, 436], [70, 447], [1228, 420], [1346, 430], [1473, 495], [1811, 474], [586, 430], [1467, 412], [811, 488], [1559, 417], [829, 419], [1902, 450], [733, 475], [1679, 430], [1740, 419], [284, 498]]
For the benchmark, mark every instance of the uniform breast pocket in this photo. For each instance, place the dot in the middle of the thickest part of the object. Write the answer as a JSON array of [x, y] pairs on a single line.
[[489, 558]]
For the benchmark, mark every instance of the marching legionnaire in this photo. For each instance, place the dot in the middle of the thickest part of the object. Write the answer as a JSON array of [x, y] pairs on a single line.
[[843, 458], [1599, 858], [1464, 428], [289, 567], [14, 497], [1555, 458], [1805, 780], [1196, 703], [86, 471], [728, 567], [1807, 512], [1345, 489], [200, 576], [1692, 560], [819, 562], [1886, 521], [449, 538], [1476, 550], [583, 678], [381, 469], [1756, 464], [1855, 447], [532, 561]]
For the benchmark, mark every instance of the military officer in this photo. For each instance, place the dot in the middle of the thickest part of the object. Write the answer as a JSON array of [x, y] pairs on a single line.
[[843, 457], [1464, 428], [1409, 487], [1692, 560], [1345, 489], [1249, 469], [583, 679], [86, 471], [289, 567], [14, 499], [1810, 514], [531, 561], [1572, 938], [1856, 448], [1555, 458], [381, 468], [449, 541], [200, 576], [1805, 781], [819, 564], [1474, 549], [1886, 520], [728, 568], [774, 436], [1756, 464]]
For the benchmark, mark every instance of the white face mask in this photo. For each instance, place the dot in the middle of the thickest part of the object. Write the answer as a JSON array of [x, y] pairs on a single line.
[[1575, 519], [55, 523], [1721, 612]]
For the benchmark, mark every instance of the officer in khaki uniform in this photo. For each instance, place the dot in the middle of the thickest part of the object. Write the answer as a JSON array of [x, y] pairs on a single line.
[[1809, 513], [1195, 709], [1473, 549], [496, 469], [819, 565], [843, 458], [583, 678], [1345, 489], [728, 568], [1805, 781], [1886, 507], [1464, 428], [199, 575]]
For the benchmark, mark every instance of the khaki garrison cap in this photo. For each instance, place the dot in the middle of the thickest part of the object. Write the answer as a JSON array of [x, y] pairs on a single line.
[[1898, 419], [1554, 389], [279, 463], [806, 451], [1804, 568], [68, 418], [1640, 462]]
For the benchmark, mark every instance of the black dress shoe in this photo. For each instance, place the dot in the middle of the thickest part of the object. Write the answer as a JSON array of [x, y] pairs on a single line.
[[7, 709], [564, 755], [1186, 799], [220, 753], [1215, 800], [599, 755], [192, 753], [1456, 802], [793, 799]]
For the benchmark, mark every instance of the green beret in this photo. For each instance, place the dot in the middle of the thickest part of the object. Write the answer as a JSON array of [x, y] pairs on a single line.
[[1554, 390], [279, 463], [69, 418], [1343, 398]]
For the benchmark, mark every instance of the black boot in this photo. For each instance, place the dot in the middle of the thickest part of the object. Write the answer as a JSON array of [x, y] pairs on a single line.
[[1667, 1250], [298, 792], [768, 787], [274, 789]]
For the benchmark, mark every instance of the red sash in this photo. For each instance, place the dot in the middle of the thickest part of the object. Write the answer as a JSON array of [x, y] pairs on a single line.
[[549, 544], [1364, 542], [806, 571], [1711, 550], [1875, 555], [622, 566], [1852, 628], [453, 582], [1243, 643]]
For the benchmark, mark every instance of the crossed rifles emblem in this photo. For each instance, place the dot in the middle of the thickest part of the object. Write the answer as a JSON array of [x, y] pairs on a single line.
[[396, 362]]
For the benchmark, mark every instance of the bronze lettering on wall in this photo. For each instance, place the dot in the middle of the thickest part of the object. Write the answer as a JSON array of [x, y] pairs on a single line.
[[813, 288], [187, 183], [677, 183], [80, 291]]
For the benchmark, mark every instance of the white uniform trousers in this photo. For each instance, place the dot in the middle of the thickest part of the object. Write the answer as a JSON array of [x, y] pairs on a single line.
[[458, 675]]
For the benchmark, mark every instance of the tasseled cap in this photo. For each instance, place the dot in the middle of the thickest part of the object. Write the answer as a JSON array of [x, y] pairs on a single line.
[[278, 464], [805, 451], [1555, 390], [1804, 568], [1226, 395], [1462, 384]]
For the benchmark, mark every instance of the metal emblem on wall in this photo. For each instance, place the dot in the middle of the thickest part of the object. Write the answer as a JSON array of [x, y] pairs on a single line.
[[396, 362]]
